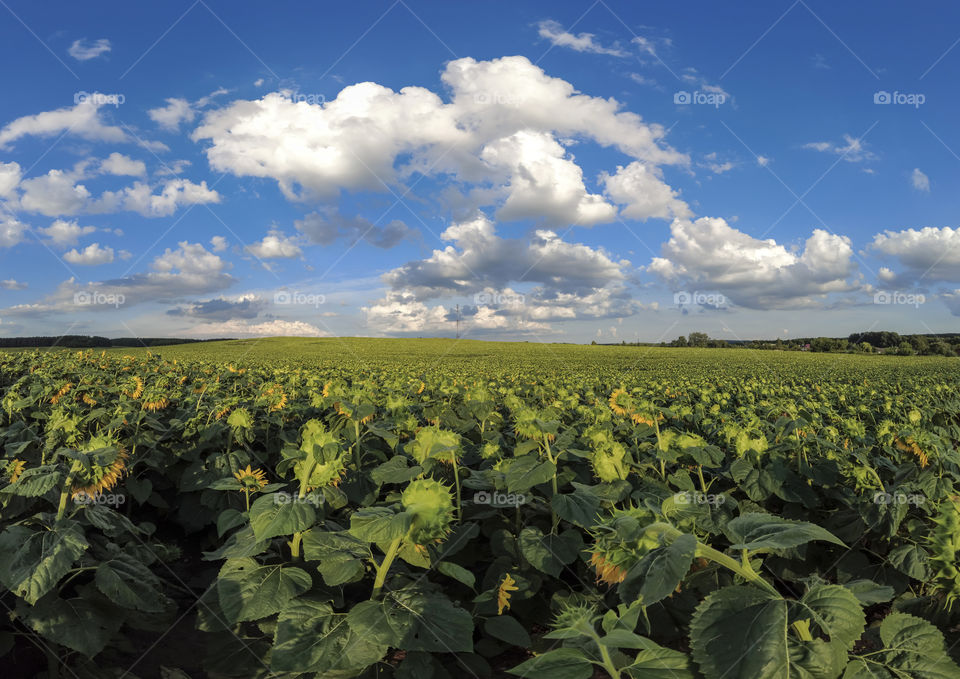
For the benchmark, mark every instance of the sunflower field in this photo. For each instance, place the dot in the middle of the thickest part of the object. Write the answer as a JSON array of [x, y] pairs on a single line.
[[464, 509]]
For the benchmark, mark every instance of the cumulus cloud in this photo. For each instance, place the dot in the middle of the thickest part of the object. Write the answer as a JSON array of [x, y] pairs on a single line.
[[122, 166], [82, 120], [640, 187], [708, 254], [85, 50], [371, 137], [11, 284], [92, 255], [219, 243], [543, 183], [65, 233], [553, 31], [11, 230], [930, 253], [275, 245], [325, 228], [222, 309], [10, 175], [175, 112], [919, 180], [480, 258]]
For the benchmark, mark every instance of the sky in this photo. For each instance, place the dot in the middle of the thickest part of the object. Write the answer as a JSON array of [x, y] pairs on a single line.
[[568, 171]]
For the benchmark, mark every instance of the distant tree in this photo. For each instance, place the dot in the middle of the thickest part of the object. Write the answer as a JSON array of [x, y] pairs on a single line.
[[919, 344], [905, 349], [698, 339], [865, 347], [679, 342]]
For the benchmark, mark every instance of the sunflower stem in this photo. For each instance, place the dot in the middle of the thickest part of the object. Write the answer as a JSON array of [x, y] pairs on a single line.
[[65, 493], [384, 567], [456, 482], [554, 519]]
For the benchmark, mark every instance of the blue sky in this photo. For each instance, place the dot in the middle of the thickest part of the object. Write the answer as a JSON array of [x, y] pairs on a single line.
[[562, 172]]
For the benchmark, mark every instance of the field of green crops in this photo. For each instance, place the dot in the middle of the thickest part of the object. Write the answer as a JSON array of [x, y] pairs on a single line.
[[327, 508]]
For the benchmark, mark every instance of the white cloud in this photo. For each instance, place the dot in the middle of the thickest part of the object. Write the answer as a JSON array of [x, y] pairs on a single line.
[[930, 253], [370, 136], [709, 255], [219, 243], [92, 255], [641, 189], [82, 120], [11, 284], [84, 50], [763, 161], [175, 112], [11, 230], [122, 166], [241, 328], [853, 150], [275, 245], [10, 176], [65, 233], [920, 181], [543, 183], [55, 193], [584, 42], [174, 193]]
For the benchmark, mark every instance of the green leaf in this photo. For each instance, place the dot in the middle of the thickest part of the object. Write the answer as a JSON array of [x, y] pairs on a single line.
[[658, 573], [741, 632], [868, 592], [130, 584], [81, 623], [32, 562], [240, 544], [660, 663], [550, 553], [35, 481], [458, 573], [560, 663], [432, 623], [768, 532], [395, 470], [379, 524], [506, 628], [912, 649], [528, 471], [310, 637], [579, 508], [271, 517], [249, 591]]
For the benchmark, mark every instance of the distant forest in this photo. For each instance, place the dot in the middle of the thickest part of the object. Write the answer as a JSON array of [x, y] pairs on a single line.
[[89, 342], [873, 342]]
